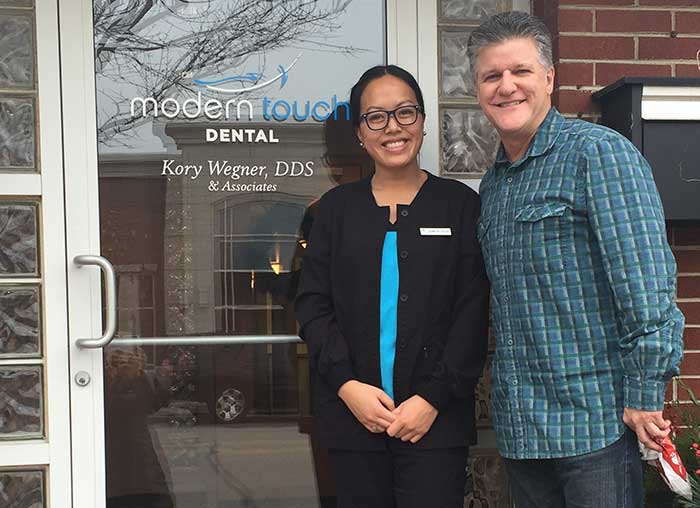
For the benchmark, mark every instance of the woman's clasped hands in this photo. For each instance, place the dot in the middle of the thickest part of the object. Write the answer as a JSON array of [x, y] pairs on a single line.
[[376, 411]]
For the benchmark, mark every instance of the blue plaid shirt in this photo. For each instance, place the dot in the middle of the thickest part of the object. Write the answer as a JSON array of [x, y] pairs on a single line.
[[583, 287]]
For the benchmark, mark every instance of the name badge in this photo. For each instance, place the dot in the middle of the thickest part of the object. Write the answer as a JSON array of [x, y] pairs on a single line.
[[436, 231]]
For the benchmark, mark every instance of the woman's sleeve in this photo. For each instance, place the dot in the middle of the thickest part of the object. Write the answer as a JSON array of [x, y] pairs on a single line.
[[463, 358], [328, 349]]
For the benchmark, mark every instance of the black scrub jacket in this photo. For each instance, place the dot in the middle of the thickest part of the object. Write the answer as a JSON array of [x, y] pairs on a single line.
[[442, 317]]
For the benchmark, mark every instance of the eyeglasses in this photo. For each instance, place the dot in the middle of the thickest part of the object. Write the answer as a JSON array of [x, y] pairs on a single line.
[[379, 119]]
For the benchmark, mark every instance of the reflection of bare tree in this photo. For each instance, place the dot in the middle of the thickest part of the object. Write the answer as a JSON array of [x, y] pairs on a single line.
[[152, 48]]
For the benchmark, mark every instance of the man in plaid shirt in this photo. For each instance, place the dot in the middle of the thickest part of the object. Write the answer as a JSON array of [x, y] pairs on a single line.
[[583, 285]]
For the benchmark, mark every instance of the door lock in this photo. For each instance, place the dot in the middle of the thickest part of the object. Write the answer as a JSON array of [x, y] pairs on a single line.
[[82, 378]]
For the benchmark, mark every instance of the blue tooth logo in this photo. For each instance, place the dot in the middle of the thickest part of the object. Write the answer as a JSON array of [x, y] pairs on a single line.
[[251, 77]]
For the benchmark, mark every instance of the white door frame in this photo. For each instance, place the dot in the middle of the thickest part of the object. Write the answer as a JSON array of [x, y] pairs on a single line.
[[83, 232], [82, 237], [51, 453]]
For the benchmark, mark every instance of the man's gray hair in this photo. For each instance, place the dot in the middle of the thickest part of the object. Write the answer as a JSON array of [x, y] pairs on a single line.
[[510, 25]]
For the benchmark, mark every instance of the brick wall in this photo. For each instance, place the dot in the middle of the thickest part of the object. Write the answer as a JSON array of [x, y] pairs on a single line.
[[598, 41], [595, 43], [685, 240]]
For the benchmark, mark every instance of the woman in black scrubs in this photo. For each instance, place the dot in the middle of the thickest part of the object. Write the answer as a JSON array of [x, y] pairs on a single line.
[[393, 304]]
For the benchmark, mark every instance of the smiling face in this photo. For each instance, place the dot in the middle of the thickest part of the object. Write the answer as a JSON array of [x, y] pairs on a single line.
[[395, 146], [514, 88]]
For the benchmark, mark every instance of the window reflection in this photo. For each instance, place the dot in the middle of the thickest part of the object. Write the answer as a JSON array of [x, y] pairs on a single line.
[[227, 425]]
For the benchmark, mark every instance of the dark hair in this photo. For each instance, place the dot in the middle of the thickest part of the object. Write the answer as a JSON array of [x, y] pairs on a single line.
[[375, 73]]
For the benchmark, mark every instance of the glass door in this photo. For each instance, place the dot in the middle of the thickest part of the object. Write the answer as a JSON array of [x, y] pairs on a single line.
[[218, 124]]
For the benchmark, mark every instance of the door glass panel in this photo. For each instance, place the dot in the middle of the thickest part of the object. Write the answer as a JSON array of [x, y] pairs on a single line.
[[219, 124]]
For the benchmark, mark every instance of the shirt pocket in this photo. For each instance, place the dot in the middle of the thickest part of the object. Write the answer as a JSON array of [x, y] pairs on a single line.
[[544, 237]]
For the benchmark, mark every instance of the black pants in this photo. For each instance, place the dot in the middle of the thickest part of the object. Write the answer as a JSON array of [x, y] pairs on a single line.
[[400, 477]]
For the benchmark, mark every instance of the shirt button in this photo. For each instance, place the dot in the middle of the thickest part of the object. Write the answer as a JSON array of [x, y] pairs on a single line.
[[515, 382], [404, 297], [510, 179], [404, 254], [404, 213], [510, 342], [402, 344], [505, 298]]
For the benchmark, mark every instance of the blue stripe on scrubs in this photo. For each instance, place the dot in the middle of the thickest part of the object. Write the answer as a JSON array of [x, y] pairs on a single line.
[[389, 296]]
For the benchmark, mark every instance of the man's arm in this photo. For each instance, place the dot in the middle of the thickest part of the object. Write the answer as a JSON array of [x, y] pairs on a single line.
[[626, 217]]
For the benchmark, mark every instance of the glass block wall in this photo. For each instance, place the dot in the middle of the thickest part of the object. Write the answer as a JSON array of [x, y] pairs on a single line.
[[22, 489], [21, 334], [468, 142]]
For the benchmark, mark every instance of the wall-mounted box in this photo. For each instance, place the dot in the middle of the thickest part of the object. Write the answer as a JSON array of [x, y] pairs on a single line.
[[661, 116]]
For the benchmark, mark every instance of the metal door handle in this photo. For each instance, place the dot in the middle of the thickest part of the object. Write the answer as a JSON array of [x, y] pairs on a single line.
[[110, 301]]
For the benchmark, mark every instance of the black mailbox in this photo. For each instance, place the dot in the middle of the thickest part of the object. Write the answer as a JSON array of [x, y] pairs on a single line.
[[661, 116]]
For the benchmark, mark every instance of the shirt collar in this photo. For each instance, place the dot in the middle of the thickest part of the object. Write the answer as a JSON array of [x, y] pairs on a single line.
[[547, 133]]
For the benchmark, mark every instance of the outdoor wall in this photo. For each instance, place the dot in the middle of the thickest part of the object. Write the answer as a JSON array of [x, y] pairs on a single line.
[[600, 41], [596, 42]]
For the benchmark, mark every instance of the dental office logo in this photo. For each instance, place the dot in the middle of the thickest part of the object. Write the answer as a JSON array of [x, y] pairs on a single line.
[[237, 109], [252, 77]]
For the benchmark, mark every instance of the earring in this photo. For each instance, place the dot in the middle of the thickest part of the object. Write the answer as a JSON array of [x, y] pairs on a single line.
[[425, 133], [362, 144]]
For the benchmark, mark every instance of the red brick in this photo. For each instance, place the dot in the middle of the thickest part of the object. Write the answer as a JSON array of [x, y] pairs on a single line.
[[691, 310], [689, 286], [691, 338], [606, 73], [688, 260], [575, 20], [596, 48], [692, 3], [688, 22], [579, 74], [693, 384], [668, 48], [633, 21], [574, 101], [690, 366], [596, 2], [688, 71], [687, 235]]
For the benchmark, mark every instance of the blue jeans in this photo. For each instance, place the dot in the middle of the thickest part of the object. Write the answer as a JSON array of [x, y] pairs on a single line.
[[607, 478]]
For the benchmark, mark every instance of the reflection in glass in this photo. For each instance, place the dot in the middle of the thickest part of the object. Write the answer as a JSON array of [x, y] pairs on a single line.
[[17, 133], [16, 52], [19, 321], [21, 408], [469, 142], [22, 489], [472, 9], [200, 252], [18, 239], [189, 425], [454, 66]]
